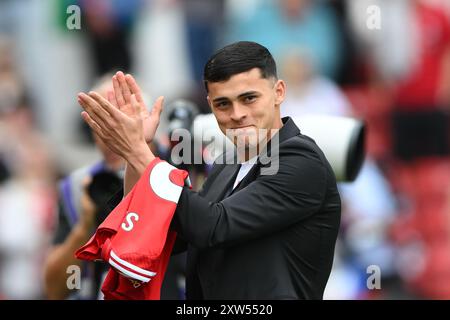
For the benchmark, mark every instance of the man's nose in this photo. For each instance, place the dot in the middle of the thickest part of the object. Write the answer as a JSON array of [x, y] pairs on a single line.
[[238, 112]]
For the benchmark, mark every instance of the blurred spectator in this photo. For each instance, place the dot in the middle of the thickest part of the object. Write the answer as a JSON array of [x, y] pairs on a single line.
[[284, 25], [108, 25], [203, 24], [83, 205], [204, 29], [349, 67], [78, 217], [27, 198], [368, 206], [309, 92], [421, 126], [421, 137], [369, 210], [416, 69]]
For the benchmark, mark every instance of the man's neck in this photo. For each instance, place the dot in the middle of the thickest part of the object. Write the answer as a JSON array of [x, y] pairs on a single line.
[[248, 154], [251, 153]]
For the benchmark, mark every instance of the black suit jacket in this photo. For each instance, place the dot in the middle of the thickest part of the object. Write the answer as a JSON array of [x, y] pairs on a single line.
[[273, 237]]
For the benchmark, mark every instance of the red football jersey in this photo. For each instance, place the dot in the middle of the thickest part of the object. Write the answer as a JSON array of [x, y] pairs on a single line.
[[135, 238]]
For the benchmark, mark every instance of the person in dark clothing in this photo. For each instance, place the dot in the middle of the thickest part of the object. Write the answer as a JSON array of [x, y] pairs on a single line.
[[262, 227]]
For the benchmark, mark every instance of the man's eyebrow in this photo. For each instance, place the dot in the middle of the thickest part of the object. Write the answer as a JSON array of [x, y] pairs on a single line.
[[220, 99], [248, 93], [242, 95]]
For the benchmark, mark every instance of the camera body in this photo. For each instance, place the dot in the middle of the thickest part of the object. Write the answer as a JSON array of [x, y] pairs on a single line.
[[342, 140], [181, 115], [102, 188], [180, 118]]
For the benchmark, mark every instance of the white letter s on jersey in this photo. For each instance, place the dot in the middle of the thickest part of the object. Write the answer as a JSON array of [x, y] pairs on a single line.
[[129, 225]]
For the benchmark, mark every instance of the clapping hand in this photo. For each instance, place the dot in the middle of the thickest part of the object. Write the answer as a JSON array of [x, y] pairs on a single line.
[[125, 87], [122, 121]]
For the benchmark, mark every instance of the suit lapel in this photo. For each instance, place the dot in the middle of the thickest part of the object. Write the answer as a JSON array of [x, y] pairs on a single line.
[[249, 177], [223, 181], [288, 130]]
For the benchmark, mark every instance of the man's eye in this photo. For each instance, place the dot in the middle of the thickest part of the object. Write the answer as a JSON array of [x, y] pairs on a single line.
[[221, 104], [249, 99]]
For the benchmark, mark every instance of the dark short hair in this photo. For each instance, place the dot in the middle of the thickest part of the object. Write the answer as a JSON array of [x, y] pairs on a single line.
[[236, 58]]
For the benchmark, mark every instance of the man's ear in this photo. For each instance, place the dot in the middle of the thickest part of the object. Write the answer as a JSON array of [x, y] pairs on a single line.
[[280, 91], [209, 101]]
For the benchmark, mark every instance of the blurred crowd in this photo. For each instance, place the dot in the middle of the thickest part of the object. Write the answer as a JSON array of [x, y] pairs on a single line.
[[336, 60]]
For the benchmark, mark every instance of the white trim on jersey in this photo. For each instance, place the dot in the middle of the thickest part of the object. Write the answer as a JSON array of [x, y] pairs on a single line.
[[131, 266], [127, 272]]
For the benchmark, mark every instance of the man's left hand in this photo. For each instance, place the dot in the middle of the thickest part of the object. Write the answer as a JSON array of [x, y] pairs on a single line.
[[122, 133]]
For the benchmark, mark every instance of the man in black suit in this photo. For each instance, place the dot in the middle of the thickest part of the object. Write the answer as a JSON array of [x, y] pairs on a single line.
[[258, 229]]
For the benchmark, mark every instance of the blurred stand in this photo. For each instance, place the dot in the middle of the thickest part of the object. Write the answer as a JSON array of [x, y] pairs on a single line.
[[368, 206], [27, 195], [414, 74], [395, 79]]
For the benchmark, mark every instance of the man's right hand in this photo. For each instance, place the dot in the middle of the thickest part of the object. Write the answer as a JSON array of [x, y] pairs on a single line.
[[124, 87]]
